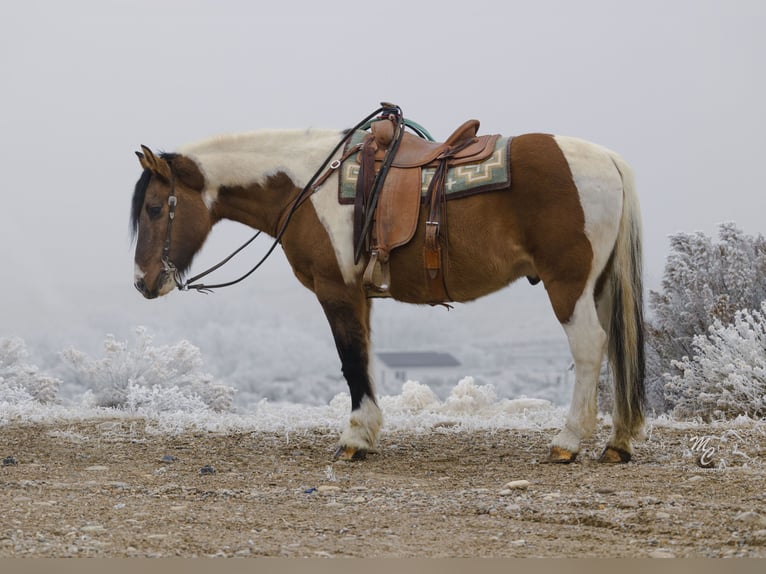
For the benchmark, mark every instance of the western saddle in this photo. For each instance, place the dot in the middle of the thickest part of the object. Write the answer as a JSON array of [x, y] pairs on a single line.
[[390, 192]]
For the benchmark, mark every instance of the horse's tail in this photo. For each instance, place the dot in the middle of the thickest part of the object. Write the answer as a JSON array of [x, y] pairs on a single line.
[[624, 318]]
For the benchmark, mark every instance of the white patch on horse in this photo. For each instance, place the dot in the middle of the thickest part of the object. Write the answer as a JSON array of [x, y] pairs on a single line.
[[338, 221], [363, 426], [587, 341], [210, 196], [138, 273], [600, 188], [599, 185], [244, 159]]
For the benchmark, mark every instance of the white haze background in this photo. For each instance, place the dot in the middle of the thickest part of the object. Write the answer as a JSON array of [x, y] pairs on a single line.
[[675, 87]]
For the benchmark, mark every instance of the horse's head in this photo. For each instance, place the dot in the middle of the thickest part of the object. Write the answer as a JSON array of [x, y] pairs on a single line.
[[170, 218]]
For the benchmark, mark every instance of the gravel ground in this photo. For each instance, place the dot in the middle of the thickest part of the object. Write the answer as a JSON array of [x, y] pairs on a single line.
[[116, 489]]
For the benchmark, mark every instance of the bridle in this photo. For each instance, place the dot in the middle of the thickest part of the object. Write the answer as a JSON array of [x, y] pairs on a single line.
[[313, 184], [167, 265], [169, 268]]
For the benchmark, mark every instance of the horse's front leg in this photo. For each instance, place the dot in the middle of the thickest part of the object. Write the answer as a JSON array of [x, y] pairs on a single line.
[[350, 323]]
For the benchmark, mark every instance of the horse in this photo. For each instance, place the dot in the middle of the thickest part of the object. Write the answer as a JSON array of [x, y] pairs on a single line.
[[569, 218]]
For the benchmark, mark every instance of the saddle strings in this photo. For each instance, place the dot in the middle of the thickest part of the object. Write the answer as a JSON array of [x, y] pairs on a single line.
[[202, 288], [380, 177]]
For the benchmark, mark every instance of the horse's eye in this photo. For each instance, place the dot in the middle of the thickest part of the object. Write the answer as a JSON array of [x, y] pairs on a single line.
[[154, 211]]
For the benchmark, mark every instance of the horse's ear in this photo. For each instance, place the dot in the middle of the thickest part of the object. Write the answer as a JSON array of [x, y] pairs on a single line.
[[143, 161], [149, 161]]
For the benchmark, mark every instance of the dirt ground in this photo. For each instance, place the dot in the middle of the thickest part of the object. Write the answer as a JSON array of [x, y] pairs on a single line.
[[115, 489]]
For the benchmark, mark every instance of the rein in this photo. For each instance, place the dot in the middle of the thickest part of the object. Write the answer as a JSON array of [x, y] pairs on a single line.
[[313, 184]]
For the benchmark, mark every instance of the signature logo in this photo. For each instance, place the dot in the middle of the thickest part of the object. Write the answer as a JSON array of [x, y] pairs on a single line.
[[705, 451]]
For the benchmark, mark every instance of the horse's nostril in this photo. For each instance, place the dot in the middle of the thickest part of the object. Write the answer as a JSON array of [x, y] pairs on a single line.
[[144, 290]]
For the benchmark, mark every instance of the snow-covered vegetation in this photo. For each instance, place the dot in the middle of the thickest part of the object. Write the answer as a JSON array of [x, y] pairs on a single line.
[[706, 343], [135, 375], [20, 381], [726, 376]]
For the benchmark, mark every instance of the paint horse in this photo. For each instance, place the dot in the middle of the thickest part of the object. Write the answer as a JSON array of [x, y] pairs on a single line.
[[570, 218]]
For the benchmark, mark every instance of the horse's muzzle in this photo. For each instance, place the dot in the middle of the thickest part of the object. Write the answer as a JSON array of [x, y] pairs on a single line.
[[140, 284], [165, 283]]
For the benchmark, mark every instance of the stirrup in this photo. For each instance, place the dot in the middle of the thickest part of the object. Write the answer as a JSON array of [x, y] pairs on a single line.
[[377, 275]]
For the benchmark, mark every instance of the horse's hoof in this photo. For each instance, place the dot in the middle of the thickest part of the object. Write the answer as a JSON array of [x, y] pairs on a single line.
[[350, 453], [558, 455], [614, 455]]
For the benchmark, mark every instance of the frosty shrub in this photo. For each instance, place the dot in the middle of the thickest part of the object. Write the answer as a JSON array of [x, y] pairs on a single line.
[[116, 378], [727, 375], [704, 281], [19, 379]]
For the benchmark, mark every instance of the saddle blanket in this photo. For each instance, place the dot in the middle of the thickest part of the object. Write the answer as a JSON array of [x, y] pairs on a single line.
[[461, 181]]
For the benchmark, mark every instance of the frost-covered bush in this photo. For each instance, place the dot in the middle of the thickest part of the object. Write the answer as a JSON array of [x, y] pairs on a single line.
[[704, 281], [726, 377], [115, 380], [19, 380]]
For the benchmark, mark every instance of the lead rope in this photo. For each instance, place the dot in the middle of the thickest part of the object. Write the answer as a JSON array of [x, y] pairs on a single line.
[[202, 288]]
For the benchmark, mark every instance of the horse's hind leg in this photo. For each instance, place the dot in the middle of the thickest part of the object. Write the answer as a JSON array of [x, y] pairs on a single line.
[[587, 341], [349, 319]]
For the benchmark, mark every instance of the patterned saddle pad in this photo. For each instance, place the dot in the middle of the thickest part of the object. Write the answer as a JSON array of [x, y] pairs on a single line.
[[463, 180]]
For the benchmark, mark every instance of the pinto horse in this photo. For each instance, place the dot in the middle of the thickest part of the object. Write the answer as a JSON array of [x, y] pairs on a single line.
[[569, 217]]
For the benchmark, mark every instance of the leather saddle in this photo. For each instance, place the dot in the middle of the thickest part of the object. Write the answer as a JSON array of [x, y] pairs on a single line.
[[397, 207]]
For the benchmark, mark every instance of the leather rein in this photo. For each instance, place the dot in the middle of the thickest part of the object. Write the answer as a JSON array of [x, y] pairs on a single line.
[[313, 184]]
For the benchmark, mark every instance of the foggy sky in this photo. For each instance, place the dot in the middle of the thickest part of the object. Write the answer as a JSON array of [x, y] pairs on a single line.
[[676, 87]]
